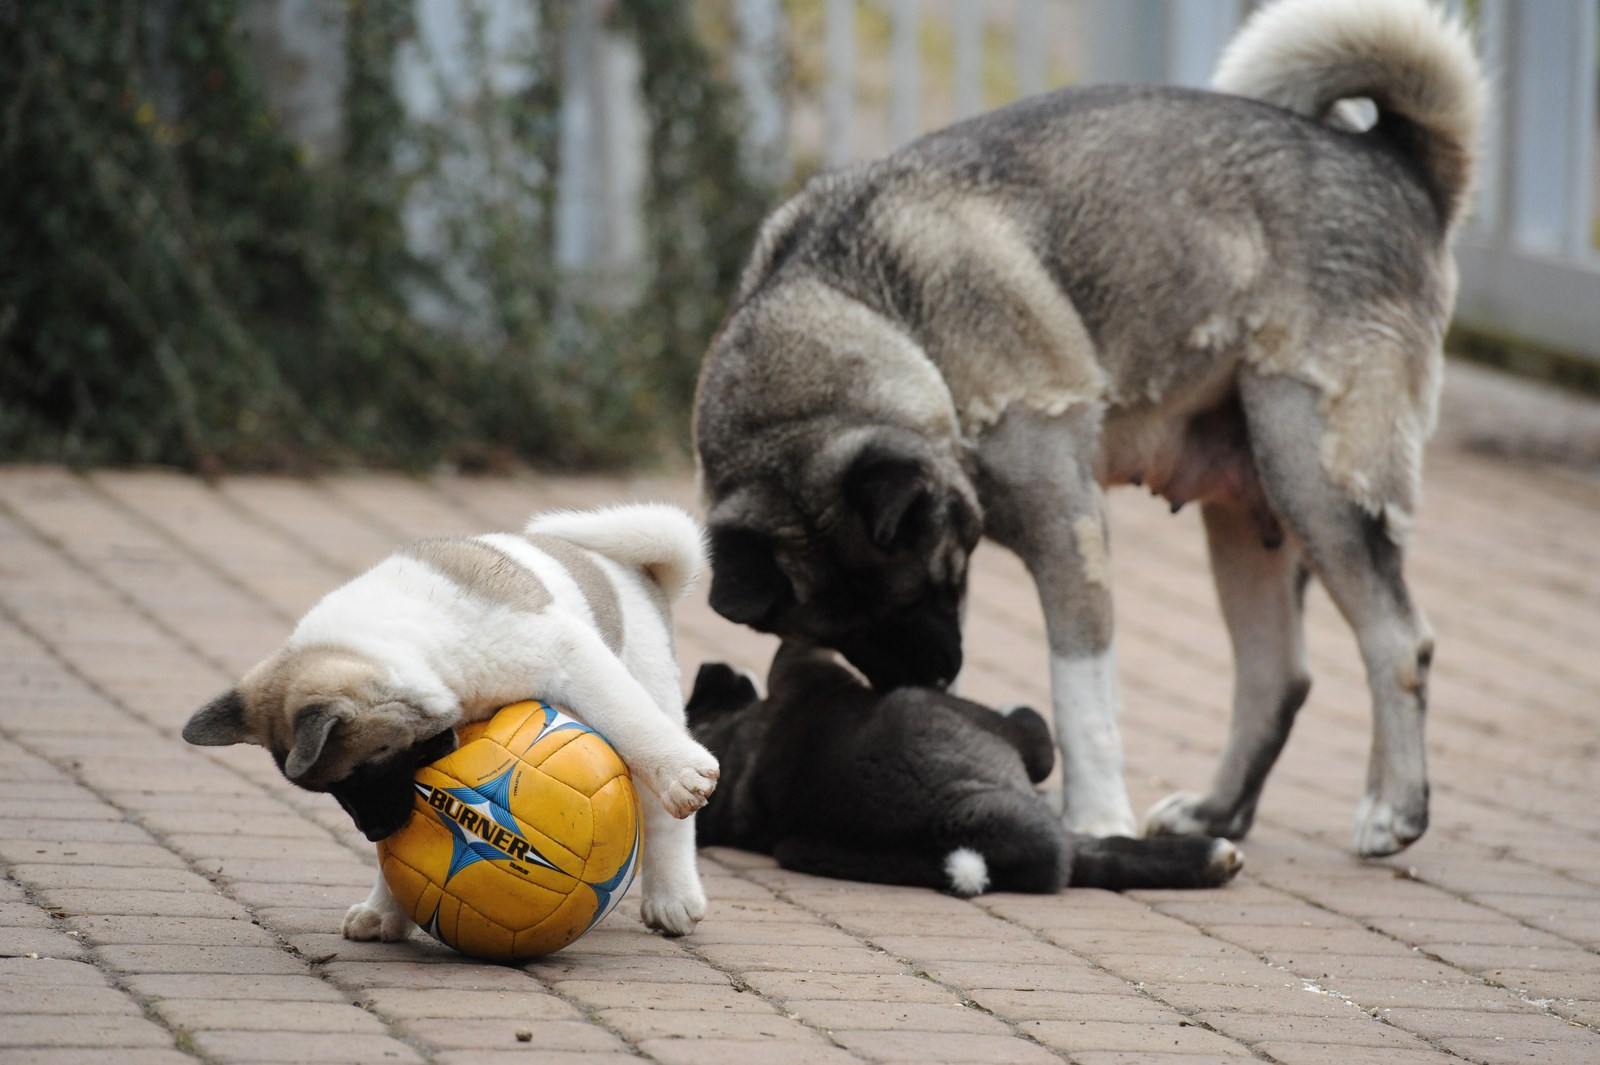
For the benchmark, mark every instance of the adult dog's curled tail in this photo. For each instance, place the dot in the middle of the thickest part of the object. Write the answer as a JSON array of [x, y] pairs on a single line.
[[659, 538], [1415, 63]]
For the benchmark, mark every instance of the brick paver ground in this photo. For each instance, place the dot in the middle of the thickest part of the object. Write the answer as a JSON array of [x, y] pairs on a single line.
[[163, 904]]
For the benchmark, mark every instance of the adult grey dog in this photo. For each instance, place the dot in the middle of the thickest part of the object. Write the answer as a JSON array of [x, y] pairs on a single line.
[[1234, 298]]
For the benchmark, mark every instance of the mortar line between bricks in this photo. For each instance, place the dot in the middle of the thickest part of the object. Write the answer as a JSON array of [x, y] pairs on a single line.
[[217, 880]]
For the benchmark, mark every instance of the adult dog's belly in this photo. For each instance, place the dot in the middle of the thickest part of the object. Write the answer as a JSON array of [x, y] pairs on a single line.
[[1189, 457]]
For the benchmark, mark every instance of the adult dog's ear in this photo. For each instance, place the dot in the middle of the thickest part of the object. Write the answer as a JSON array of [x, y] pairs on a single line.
[[312, 727], [219, 723], [892, 494], [747, 585]]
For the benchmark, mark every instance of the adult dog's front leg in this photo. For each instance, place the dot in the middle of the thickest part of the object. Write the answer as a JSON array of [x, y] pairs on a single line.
[[1042, 501]]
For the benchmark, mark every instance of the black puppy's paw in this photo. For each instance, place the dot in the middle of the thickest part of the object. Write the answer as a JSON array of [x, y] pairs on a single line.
[[1031, 736], [718, 686]]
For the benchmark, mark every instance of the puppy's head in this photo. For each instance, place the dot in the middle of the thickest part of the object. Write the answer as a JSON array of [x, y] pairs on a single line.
[[334, 723], [860, 545]]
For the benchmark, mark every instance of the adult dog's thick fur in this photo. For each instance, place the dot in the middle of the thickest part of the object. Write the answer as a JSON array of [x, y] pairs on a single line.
[[1236, 302], [576, 610], [913, 786]]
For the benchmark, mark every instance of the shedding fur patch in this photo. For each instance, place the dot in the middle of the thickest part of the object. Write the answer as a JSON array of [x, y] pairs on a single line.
[[968, 872], [1092, 550]]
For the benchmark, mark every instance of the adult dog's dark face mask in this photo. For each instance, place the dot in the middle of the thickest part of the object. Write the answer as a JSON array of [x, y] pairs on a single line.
[[893, 610]]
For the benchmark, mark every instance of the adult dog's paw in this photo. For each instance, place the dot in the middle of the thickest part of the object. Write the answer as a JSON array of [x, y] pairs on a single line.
[[364, 923], [675, 913], [684, 787], [1384, 828], [1184, 814]]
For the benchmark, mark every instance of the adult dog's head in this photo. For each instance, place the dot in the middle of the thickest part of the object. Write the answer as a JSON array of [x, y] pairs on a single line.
[[334, 723], [856, 540]]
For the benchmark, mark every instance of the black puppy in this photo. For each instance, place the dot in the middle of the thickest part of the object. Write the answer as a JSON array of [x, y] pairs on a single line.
[[913, 787]]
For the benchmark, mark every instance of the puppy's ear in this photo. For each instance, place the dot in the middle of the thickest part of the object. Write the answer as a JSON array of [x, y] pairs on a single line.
[[718, 686], [746, 583], [219, 723], [891, 493], [312, 726]]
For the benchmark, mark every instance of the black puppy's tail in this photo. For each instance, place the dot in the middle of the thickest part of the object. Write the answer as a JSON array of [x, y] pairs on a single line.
[[1123, 864]]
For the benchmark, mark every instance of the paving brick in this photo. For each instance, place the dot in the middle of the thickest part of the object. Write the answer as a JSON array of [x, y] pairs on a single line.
[[282, 1016], [524, 1056], [1352, 1028], [761, 957], [1495, 1051], [125, 1055], [186, 958], [197, 931], [1076, 976], [708, 995], [830, 1014], [743, 1051], [72, 902], [64, 1001], [944, 1047], [1529, 1024], [1290, 1053], [495, 1033], [638, 1025], [850, 987], [41, 942], [252, 987], [452, 1003], [1073, 1036], [325, 1048], [95, 1030], [1075, 1006]]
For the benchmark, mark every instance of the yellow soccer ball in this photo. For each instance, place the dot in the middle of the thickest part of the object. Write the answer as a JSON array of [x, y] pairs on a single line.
[[523, 838]]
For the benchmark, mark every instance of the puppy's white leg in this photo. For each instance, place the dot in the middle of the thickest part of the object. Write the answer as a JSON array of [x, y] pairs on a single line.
[[380, 917], [605, 696], [1084, 691], [674, 901]]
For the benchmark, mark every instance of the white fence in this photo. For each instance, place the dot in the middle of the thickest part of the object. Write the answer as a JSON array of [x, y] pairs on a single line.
[[1530, 264]]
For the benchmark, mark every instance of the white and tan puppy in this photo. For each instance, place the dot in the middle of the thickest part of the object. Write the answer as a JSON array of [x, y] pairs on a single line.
[[574, 610]]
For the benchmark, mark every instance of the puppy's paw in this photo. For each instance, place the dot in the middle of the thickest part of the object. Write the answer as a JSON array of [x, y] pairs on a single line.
[[1387, 828], [364, 923], [685, 786], [674, 913], [1224, 863]]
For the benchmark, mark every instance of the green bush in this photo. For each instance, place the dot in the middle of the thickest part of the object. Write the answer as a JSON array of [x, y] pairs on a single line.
[[179, 284]]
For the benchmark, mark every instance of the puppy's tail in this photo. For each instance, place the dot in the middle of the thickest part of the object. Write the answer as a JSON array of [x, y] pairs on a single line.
[[1414, 63], [659, 538]]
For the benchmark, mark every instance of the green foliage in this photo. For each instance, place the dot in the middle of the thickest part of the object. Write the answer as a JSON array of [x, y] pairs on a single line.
[[180, 283]]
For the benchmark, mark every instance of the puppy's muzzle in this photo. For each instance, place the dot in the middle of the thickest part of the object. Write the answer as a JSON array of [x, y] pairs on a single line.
[[380, 796]]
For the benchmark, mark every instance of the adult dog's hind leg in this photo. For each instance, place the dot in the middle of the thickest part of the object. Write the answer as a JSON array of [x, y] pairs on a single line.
[[1261, 591], [1358, 557]]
